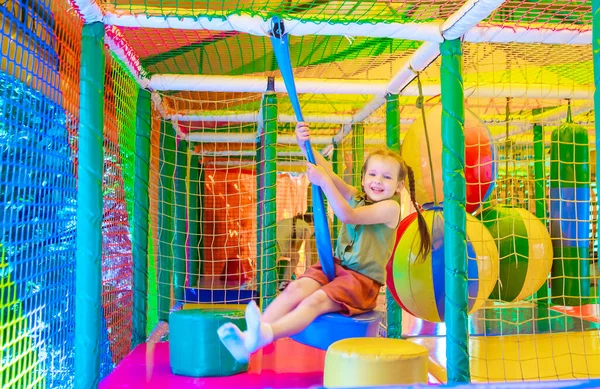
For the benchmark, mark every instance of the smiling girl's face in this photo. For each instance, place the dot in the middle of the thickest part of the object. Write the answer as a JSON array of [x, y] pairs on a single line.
[[381, 178]]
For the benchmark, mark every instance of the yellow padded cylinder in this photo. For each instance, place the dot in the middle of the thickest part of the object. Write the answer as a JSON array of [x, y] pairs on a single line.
[[357, 362]]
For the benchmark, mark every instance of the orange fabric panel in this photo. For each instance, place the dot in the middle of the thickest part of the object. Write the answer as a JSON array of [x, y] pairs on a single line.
[[230, 221]]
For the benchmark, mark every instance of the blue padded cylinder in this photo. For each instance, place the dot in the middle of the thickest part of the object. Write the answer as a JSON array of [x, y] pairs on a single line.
[[331, 327], [194, 346]]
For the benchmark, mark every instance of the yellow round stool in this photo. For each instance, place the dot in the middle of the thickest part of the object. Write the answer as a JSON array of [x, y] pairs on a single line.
[[357, 362]]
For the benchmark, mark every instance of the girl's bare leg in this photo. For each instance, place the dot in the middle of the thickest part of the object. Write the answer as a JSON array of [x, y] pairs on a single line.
[[261, 333], [290, 298], [299, 294]]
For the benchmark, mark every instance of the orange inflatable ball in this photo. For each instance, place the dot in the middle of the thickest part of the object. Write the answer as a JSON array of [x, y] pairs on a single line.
[[480, 152]]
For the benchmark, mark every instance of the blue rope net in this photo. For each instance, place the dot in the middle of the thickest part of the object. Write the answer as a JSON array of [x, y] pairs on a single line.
[[37, 229], [38, 122]]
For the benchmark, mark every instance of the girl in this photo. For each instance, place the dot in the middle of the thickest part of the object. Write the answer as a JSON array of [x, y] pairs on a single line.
[[364, 246]]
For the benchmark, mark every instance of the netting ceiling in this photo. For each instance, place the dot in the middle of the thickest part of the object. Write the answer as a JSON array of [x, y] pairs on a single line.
[[528, 13], [233, 54], [316, 10], [496, 67]]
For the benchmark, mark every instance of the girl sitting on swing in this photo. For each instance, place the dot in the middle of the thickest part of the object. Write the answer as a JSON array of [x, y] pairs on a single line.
[[364, 245]]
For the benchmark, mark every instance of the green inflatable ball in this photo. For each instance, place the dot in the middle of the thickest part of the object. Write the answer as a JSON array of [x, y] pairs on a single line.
[[525, 250]]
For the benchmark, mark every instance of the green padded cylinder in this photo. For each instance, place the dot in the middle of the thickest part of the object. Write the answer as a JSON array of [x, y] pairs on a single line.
[[194, 346]]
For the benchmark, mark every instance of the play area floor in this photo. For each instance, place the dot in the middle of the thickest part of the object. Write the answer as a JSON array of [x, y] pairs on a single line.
[[284, 364], [508, 342]]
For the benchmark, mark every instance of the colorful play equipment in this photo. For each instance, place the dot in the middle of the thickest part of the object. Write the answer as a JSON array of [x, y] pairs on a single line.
[[480, 158], [194, 349], [419, 287], [570, 213], [368, 362], [332, 327], [524, 248], [147, 154]]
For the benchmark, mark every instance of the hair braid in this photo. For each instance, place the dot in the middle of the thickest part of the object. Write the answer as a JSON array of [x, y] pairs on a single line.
[[423, 230]]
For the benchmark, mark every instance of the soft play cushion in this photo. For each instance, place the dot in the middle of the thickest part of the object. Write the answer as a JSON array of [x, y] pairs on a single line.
[[375, 362], [331, 327], [195, 348]]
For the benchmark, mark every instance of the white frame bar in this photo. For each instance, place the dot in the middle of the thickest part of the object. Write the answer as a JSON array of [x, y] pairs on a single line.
[[254, 25]]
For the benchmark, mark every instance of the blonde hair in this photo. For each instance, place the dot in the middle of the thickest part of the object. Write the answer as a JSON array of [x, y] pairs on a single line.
[[391, 154], [402, 173]]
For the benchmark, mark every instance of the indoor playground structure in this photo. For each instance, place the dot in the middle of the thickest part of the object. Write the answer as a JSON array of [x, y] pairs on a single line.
[[149, 170]]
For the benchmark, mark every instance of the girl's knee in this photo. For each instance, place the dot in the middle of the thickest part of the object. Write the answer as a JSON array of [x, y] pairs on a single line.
[[292, 288], [319, 301], [301, 286]]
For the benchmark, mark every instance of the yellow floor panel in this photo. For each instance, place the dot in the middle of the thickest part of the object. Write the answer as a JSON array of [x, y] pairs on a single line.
[[554, 356]]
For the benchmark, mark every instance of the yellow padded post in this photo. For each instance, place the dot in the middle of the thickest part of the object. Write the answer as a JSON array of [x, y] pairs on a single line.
[[357, 362]]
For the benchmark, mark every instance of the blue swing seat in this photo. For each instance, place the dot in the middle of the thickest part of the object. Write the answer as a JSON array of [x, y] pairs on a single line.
[[331, 327]]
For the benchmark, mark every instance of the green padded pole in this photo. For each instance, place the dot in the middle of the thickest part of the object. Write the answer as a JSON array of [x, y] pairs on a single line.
[[259, 163], [269, 215], [392, 122], [358, 153], [141, 208], [202, 181], [540, 195], [165, 218], [180, 207], [194, 223], [455, 247], [539, 173], [569, 226], [596, 59], [88, 274], [337, 164], [392, 141]]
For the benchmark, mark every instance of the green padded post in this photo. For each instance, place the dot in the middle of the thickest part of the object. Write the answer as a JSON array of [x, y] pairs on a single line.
[[269, 215], [194, 347], [88, 274], [337, 164], [202, 181], [180, 206], [194, 222], [539, 173], [455, 245], [392, 141], [570, 179], [259, 166], [152, 313], [141, 208], [165, 218], [358, 153], [392, 122], [596, 59]]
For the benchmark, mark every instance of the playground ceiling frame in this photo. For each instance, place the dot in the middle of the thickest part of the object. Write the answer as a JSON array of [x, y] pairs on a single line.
[[427, 22]]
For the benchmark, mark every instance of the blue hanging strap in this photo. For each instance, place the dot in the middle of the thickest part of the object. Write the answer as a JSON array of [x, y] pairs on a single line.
[[280, 42]]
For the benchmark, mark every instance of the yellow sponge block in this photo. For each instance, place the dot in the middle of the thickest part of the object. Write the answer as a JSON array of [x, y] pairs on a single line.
[[357, 362]]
